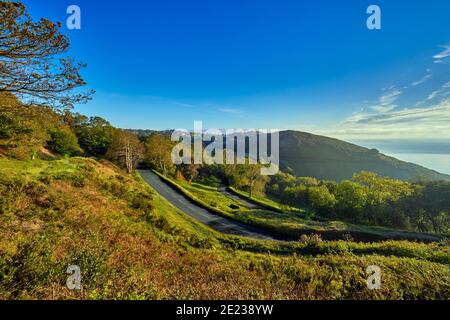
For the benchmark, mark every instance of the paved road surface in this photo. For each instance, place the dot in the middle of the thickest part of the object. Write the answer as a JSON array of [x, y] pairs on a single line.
[[213, 220]]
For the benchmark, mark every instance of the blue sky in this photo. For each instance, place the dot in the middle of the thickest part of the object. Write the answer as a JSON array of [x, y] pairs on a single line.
[[303, 65]]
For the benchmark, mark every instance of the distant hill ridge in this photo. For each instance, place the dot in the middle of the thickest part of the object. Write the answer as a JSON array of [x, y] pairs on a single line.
[[328, 158], [309, 155]]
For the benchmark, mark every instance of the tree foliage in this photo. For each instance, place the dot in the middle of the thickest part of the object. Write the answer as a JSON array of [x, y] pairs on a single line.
[[189, 171], [246, 176], [158, 153], [23, 128], [64, 141], [370, 199], [31, 61], [125, 149], [94, 134]]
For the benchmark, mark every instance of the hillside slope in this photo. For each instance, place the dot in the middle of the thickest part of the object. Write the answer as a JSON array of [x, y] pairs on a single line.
[[327, 158], [131, 244]]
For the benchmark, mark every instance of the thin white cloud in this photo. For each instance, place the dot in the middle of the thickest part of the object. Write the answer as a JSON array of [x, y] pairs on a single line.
[[386, 101], [230, 110], [385, 120], [431, 122], [444, 54], [182, 104], [390, 97], [441, 56], [382, 109], [423, 80], [433, 95]]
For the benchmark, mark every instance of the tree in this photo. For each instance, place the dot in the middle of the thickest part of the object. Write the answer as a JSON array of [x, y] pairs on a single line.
[[94, 134], [307, 181], [247, 176], [125, 149], [295, 196], [352, 198], [31, 66], [279, 182], [441, 222], [382, 190], [23, 128], [256, 181], [423, 221], [64, 141], [189, 171], [321, 199], [158, 153]]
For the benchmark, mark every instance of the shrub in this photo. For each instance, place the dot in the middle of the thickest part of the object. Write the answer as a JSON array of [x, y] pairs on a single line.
[[140, 200], [63, 141], [311, 239], [321, 199]]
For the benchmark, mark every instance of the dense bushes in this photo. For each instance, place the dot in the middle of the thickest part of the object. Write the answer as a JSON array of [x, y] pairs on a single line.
[[370, 199], [64, 141], [23, 128], [321, 199]]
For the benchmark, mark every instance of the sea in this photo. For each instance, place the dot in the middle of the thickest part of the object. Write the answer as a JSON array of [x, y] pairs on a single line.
[[431, 154]]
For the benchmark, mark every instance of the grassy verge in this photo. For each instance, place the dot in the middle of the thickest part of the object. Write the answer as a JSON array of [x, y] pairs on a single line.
[[263, 202]]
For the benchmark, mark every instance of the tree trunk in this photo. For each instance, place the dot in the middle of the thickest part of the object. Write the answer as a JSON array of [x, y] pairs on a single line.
[[128, 158], [252, 186]]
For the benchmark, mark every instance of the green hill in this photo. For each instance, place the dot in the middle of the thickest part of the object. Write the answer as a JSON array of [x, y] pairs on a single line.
[[327, 158]]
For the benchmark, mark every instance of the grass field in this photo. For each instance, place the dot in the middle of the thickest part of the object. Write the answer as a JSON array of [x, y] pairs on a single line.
[[131, 244]]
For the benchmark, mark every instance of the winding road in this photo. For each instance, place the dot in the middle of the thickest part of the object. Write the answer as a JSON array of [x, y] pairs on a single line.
[[219, 223]]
